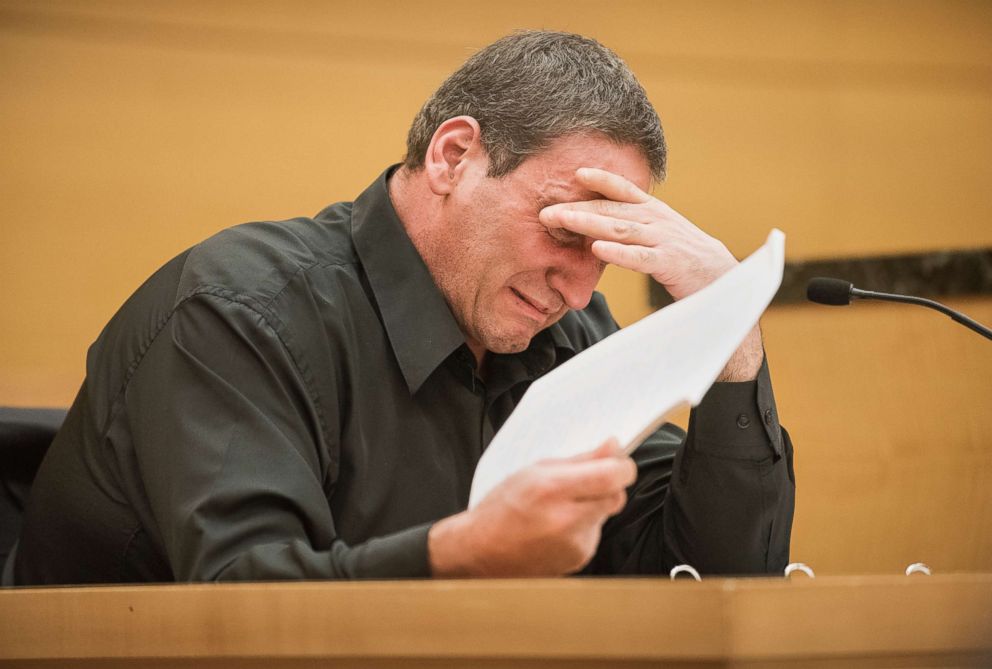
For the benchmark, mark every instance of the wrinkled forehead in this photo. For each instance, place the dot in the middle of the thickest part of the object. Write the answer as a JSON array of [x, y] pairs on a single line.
[[567, 189], [552, 172]]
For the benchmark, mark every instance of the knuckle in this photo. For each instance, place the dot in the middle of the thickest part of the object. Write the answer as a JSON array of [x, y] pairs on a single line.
[[531, 486], [560, 524], [600, 480], [644, 256], [619, 502], [631, 470], [542, 488], [524, 478], [622, 229]]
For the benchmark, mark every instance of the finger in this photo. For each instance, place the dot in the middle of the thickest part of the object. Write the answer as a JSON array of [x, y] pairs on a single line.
[[603, 507], [625, 210], [609, 448], [610, 185], [599, 226], [630, 256], [614, 504], [591, 478]]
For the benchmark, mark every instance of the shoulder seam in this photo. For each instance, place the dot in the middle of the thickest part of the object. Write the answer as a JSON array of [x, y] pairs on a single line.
[[301, 269], [232, 298]]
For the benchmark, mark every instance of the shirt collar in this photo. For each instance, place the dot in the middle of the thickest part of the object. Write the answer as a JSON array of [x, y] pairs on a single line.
[[421, 328], [560, 339]]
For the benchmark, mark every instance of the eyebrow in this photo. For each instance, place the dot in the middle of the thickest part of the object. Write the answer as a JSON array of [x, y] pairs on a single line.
[[565, 196]]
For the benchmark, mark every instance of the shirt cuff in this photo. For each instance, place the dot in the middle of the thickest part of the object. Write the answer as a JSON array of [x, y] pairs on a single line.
[[738, 419], [399, 555]]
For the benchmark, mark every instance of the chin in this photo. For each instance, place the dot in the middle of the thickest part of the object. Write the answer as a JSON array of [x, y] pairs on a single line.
[[508, 346], [507, 342]]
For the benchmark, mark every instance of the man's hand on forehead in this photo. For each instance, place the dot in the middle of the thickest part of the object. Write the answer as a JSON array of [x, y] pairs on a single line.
[[632, 229]]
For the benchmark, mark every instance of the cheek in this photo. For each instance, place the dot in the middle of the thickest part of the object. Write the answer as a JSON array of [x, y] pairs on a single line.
[[512, 245], [509, 255]]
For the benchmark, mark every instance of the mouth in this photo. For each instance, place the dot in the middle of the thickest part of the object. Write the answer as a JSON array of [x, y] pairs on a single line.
[[536, 309]]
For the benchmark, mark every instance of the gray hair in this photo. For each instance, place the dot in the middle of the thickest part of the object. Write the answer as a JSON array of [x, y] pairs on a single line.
[[532, 87]]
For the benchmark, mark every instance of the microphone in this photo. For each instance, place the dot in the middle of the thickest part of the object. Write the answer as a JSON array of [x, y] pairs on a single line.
[[837, 292], [824, 290]]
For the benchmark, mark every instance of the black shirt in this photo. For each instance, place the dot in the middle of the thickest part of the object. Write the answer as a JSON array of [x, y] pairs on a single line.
[[295, 400]]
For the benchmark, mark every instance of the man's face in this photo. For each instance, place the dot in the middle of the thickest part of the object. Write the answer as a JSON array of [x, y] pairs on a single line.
[[505, 275]]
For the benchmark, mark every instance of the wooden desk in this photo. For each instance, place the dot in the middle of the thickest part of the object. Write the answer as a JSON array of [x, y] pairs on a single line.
[[942, 620]]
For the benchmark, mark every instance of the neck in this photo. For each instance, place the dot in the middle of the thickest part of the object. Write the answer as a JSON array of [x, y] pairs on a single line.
[[415, 205], [418, 209]]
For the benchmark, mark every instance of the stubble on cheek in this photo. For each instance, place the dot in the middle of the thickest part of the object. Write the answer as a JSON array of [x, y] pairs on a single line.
[[499, 332], [465, 292]]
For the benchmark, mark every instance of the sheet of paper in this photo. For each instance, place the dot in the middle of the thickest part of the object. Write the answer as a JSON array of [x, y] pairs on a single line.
[[625, 385]]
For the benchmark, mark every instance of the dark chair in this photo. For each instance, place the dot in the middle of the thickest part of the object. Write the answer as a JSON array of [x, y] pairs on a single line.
[[25, 435]]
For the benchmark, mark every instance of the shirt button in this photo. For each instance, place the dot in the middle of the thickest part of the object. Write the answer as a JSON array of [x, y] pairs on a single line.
[[768, 417], [743, 421]]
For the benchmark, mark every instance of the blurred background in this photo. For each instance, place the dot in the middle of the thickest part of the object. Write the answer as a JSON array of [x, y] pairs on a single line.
[[129, 131]]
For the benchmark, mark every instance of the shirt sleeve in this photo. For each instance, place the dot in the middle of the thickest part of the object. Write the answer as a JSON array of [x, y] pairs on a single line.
[[232, 455], [720, 497]]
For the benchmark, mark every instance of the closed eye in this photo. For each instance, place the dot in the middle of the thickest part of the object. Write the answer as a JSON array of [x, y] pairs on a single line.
[[561, 236], [567, 238]]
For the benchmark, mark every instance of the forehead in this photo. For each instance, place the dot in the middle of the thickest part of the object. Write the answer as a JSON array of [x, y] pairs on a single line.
[[550, 174]]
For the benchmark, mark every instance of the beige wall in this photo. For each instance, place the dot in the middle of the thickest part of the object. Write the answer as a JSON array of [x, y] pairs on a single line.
[[129, 131]]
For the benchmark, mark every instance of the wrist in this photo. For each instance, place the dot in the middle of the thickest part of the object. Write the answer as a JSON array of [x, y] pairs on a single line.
[[449, 547], [695, 284], [745, 363]]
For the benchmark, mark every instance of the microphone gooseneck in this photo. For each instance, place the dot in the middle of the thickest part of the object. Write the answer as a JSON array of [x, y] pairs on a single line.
[[837, 292]]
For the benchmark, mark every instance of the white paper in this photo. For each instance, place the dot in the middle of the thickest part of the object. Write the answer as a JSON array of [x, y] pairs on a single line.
[[625, 385]]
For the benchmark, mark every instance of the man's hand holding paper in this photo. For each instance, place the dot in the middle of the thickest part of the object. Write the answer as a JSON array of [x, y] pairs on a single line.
[[544, 520]]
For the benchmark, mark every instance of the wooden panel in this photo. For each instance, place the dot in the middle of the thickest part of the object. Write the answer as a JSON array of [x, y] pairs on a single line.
[[413, 619], [133, 130], [859, 621], [888, 405]]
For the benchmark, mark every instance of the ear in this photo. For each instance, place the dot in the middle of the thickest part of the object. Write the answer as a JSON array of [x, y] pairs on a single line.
[[455, 146]]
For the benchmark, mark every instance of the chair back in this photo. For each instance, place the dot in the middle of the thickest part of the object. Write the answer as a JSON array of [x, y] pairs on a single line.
[[25, 435]]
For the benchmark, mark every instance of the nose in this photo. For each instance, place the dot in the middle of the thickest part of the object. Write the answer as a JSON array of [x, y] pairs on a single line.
[[576, 278]]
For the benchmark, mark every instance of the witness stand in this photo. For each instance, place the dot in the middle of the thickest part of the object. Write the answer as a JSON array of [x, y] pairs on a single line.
[[840, 621]]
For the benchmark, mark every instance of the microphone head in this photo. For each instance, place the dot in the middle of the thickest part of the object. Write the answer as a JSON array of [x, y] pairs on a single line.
[[823, 290]]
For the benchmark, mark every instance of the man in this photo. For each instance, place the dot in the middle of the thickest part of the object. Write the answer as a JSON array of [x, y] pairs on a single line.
[[309, 399]]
